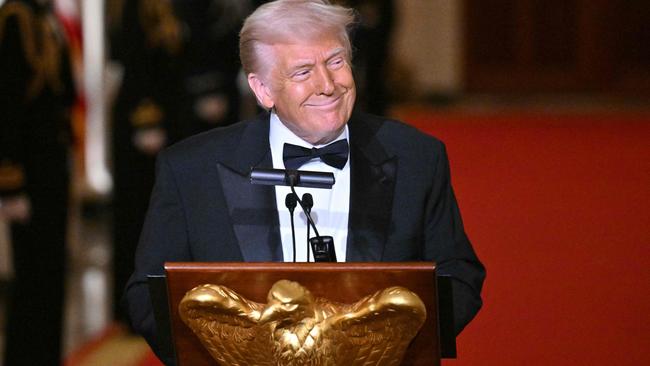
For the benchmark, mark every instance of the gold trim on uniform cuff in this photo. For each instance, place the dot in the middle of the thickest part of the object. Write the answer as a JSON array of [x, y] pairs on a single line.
[[147, 114], [12, 177]]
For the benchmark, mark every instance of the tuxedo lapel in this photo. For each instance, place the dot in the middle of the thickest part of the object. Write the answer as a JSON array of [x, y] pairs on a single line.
[[372, 184], [252, 208]]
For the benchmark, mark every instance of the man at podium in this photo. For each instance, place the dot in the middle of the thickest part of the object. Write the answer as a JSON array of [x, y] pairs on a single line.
[[392, 199]]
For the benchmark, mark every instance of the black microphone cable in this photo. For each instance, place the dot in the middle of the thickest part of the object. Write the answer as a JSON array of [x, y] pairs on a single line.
[[290, 201], [310, 221], [308, 201], [322, 246]]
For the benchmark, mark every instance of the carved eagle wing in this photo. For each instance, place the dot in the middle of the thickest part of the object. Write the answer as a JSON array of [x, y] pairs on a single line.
[[379, 327], [296, 329], [227, 325]]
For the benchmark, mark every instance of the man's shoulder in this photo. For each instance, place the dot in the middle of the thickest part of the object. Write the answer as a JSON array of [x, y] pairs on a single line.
[[393, 133], [215, 142]]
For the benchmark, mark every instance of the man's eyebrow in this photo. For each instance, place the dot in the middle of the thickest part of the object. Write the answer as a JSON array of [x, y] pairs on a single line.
[[335, 52], [299, 64]]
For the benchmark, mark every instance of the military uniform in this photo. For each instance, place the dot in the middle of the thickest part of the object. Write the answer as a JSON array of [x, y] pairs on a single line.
[[371, 43], [36, 93], [210, 61], [181, 63], [147, 43]]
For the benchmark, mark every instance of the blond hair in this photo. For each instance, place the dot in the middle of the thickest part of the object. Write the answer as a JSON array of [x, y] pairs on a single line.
[[286, 21]]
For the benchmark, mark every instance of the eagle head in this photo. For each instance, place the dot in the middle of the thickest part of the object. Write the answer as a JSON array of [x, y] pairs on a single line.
[[288, 301]]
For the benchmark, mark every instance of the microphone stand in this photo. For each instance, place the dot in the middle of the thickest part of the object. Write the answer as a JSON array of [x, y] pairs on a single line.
[[321, 246], [310, 221], [308, 200], [290, 202]]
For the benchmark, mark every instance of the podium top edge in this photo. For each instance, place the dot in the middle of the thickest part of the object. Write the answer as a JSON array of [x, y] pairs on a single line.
[[298, 267]]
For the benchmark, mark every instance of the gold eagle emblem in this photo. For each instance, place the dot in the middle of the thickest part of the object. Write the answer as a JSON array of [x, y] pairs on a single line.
[[296, 328]]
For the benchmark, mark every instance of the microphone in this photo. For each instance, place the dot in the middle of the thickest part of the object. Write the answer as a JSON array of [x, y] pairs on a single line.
[[290, 201], [321, 246], [296, 178], [308, 201]]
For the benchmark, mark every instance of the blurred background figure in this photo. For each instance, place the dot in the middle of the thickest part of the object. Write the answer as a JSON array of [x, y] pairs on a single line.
[[146, 43], [371, 41], [36, 93], [180, 65], [210, 62]]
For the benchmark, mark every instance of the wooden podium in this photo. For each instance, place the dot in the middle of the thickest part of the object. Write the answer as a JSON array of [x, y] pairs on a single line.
[[340, 282]]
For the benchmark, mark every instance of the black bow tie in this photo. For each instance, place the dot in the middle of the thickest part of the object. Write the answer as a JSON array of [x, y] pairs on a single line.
[[334, 154]]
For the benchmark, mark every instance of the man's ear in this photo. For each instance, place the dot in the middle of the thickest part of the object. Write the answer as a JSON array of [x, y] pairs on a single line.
[[261, 90]]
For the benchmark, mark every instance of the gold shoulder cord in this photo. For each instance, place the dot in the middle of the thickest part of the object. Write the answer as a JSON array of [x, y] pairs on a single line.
[[12, 176], [46, 64], [161, 26]]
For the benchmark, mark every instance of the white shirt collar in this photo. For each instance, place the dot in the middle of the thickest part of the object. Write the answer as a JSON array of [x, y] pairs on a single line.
[[279, 134]]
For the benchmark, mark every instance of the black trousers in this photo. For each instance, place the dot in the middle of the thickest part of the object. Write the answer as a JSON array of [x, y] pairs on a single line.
[[36, 297]]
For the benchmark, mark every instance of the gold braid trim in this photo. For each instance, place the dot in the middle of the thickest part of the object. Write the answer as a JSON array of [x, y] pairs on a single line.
[[161, 26], [51, 53], [45, 64], [12, 176], [147, 114]]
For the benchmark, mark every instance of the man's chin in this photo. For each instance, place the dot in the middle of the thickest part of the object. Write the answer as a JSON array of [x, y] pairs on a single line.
[[328, 135]]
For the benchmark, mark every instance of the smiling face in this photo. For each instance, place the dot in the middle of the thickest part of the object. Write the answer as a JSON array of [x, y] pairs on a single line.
[[311, 87]]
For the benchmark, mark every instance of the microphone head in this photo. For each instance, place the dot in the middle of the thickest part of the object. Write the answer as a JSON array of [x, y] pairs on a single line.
[[291, 201], [307, 201]]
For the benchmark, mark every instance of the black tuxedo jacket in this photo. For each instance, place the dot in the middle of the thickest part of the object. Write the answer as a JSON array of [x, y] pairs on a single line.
[[402, 208]]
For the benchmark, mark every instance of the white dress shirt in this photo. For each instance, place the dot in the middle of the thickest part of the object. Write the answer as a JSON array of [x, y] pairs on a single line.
[[331, 206]]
